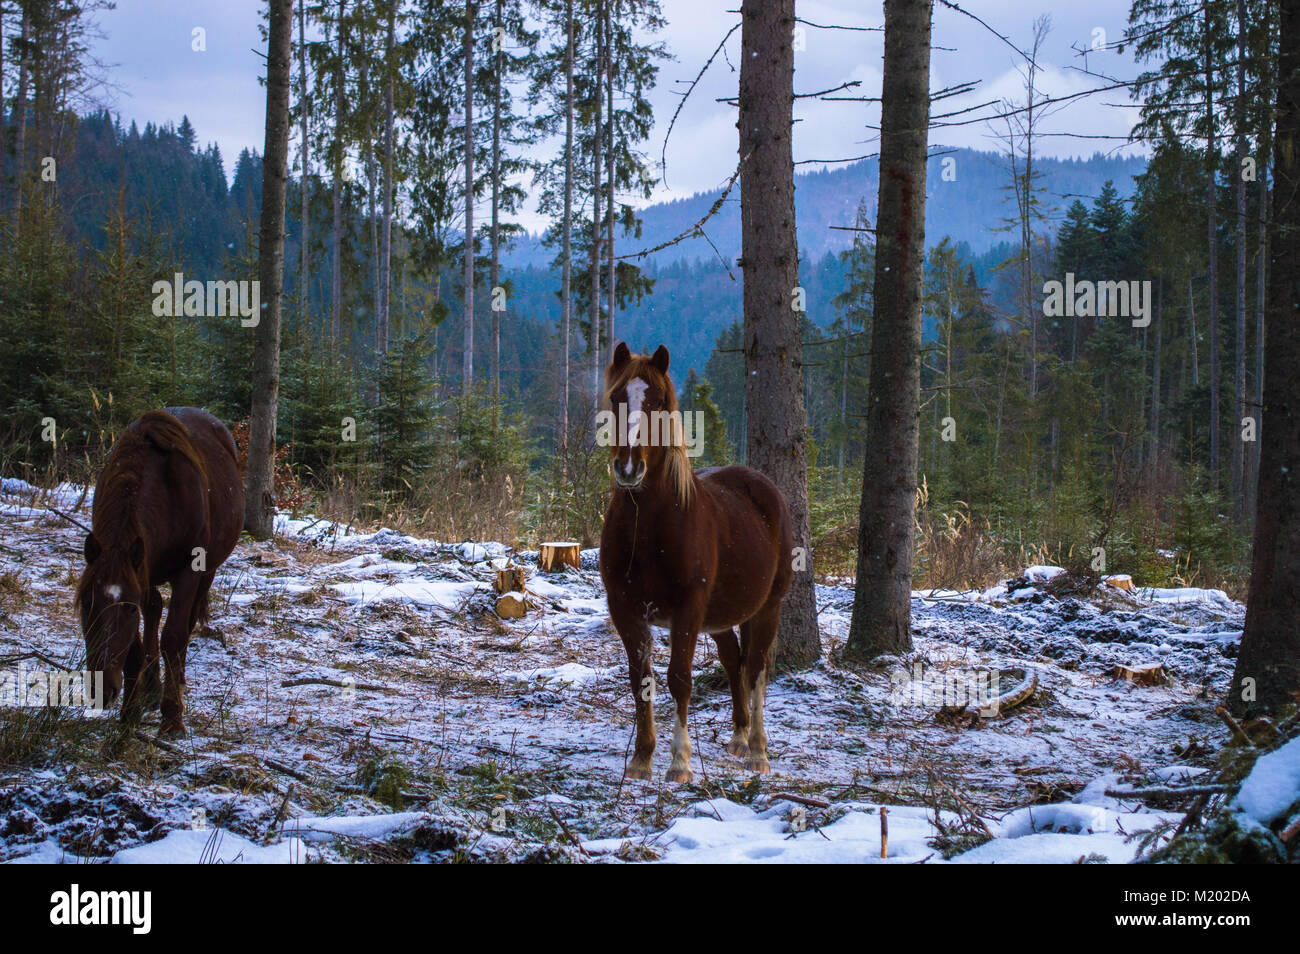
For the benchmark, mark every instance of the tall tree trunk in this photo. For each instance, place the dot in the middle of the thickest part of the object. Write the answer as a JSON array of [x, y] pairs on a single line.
[[1261, 297], [336, 263], [467, 367], [372, 175], [1239, 342], [1267, 679], [20, 113], [4, 120], [496, 212], [259, 488], [566, 292], [597, 185], [774, 405], [613, 206], [882, 602], [1212, 232], [1154, 462], [305, 230], [386, 250]]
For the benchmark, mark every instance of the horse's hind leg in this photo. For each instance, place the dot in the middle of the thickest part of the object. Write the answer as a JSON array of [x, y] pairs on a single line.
[[759, 633], [175, 642], [729, 652], [200, 614]]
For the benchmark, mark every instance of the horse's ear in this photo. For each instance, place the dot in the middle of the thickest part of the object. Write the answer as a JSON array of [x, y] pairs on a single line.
[[660, 359], [622, 355], [137, 552], [92, 549]]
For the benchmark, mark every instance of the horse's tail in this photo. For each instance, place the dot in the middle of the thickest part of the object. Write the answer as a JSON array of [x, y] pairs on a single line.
[[169, 435]]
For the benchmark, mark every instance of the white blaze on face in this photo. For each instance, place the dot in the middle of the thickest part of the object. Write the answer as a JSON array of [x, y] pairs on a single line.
[[636, 390], [114, 592]]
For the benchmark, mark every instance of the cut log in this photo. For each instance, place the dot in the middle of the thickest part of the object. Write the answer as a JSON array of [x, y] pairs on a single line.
[[1148, 674], [512, 606], [553, 556], [1121, 581], [510, 579]]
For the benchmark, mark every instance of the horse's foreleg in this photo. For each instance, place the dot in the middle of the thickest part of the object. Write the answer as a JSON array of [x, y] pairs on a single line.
[[175, 643], [140, 684], [640, 654], [131, 672], [729, 653], [151, 679], [679, 683], [760, 634]]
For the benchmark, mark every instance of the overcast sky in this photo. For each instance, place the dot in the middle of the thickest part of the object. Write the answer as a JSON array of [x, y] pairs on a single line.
[[158, 77]]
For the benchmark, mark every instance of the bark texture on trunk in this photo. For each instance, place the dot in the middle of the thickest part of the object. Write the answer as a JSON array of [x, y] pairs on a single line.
[[386, 238], [882, 601], [496, 215], [259, 485], [774, 405], [566, 293], [1212, 235], [336, 261], [467, 367], [1239, 338], [304, 266], [1267, 679]]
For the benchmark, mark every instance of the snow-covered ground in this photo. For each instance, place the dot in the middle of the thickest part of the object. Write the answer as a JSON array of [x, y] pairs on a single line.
[[367, 703]]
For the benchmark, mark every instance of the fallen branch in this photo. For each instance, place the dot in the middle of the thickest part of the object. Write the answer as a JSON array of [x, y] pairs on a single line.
[[568, 832], [34, 654], [1215, 789], [1233, 725], [71, 520], [1018, 693], [801, 799], [334, 683]]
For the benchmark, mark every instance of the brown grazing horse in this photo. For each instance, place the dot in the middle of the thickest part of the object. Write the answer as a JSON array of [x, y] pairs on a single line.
[[695, 553], [169, 506]]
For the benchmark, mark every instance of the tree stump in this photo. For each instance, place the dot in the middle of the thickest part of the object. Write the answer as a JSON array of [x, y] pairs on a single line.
[[1148, 674], [512, 605], [510, 579], [553, 556]]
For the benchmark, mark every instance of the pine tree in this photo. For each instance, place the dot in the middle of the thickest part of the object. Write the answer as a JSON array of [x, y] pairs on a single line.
[[881, 621]]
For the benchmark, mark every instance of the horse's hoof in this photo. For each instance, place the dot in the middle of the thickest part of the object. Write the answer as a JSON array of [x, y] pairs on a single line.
[[637, 772], [758, 765], [678, 775], [738, 748], [171, 730]]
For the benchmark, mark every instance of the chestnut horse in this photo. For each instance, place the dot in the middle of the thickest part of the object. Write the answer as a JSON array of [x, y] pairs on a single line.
[[693, 552], [169, 506]]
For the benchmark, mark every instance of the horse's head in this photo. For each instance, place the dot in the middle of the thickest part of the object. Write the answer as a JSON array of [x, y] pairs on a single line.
[[109, 598], [648, 431]]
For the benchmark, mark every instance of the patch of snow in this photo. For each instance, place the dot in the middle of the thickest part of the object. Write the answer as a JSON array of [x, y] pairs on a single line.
[[1273, 784], [1041, 574], [321, 828], [424, 593], [574, 675], [189, 846]]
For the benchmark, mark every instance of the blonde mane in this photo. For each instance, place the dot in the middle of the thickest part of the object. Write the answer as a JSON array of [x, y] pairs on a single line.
[[680, 474]]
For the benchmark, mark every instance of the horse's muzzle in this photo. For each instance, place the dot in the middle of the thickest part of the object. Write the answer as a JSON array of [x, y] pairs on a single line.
[[629, 481]]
